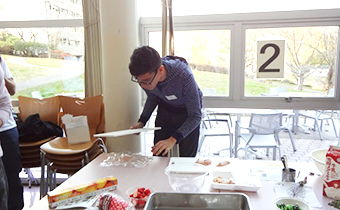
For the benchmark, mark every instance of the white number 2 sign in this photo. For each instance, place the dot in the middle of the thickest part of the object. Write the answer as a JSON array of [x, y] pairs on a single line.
[[270, 59]]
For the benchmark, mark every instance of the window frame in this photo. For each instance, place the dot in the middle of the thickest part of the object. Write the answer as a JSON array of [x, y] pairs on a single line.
[[238, 23]]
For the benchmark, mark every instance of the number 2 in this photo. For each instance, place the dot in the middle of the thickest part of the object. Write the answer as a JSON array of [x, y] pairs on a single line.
[[271, 59]]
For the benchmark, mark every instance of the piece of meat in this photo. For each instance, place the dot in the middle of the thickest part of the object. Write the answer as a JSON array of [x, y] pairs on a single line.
[[223, 163]]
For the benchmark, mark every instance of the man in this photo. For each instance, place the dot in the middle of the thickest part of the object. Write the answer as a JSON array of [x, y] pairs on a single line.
[[170, 85], [9, 82], [3, 184], [5, 113], [9, 138]]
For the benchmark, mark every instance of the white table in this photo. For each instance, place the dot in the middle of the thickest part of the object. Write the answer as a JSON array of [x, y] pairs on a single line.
[[153, 176]]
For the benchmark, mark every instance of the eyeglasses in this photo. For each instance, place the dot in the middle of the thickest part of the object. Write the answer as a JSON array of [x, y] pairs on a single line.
[[134, 79]]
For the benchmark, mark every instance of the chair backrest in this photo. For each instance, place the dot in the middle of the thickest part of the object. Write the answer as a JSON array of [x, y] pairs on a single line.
[[48, 108], [92, 107], [265, 123]]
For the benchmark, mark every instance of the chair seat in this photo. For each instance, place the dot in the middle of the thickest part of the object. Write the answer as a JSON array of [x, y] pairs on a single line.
[[260, 140], [60, 145], [35, 143]]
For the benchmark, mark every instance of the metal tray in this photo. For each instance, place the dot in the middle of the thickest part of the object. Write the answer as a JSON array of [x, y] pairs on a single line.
[[198, 201]]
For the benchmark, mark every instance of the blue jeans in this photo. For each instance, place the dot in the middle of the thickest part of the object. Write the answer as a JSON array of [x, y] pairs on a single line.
[[3, 187], [12, 163]]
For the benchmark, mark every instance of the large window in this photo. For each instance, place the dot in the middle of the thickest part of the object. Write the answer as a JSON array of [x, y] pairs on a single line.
[[229, 43], [153, 8], [310, 64], [208, 54], [44, 49], [22, 10]]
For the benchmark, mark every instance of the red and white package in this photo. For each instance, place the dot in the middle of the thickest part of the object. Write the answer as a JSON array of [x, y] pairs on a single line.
[[111, 201], [331, 184]]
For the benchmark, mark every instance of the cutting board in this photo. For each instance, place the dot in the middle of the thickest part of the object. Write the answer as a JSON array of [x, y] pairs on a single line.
[[126, 132]]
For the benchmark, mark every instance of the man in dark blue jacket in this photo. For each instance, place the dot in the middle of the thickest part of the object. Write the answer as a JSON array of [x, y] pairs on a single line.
[[170, 85]]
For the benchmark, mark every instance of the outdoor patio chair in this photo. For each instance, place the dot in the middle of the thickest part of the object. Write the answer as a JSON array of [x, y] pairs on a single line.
[[318, 116], [213, 124], [262, 132]]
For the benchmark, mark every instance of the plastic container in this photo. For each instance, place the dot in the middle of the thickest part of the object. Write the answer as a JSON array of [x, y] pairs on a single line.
[[138, 196], [186, 177]]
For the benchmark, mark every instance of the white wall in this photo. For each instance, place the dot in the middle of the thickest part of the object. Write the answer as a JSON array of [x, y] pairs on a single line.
[[121, 96]]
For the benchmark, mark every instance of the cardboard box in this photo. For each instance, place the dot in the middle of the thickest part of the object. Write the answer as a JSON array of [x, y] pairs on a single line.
[[77, 193]]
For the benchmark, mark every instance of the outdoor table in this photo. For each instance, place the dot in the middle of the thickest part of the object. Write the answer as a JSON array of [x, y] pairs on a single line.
[[152, 175]]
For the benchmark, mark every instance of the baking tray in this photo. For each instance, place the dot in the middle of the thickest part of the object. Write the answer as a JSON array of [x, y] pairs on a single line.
[[198, 201]]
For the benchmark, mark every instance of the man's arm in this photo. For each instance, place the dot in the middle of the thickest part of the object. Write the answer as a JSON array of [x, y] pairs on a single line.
[[10, 85], [9, 82]]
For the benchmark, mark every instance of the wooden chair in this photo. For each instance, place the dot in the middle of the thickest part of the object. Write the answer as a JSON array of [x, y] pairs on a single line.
[[49, 110], [75, 156]]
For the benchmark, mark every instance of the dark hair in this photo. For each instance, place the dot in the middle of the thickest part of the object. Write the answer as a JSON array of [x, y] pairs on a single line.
[[143, 60]]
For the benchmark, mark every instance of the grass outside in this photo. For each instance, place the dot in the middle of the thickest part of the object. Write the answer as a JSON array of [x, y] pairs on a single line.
[[206, 80], [72, 85], [218, 81], [48, 62], [22, 72]]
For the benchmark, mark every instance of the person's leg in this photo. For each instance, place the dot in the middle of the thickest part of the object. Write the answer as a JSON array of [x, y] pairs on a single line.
[[188, 146], [163, 120], [12, 163], [3, 187], [170, 122]]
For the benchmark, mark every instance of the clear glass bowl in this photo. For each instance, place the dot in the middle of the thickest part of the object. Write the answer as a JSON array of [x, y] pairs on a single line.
[[186, 177]]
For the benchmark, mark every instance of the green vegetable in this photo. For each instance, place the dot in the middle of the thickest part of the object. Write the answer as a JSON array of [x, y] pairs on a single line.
[[288, 207], [335, 204]]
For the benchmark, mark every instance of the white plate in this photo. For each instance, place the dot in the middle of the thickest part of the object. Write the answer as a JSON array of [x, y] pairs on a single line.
[[243, 182], [213, 165]]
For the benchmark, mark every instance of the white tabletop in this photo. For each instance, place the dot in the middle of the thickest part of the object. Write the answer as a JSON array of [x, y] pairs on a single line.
[[153, 176]]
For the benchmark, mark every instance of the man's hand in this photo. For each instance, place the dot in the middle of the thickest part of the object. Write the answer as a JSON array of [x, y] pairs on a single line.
[[163, 145], [137, 125]]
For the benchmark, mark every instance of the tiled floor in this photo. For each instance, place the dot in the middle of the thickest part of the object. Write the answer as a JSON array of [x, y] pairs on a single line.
[[304, 144]]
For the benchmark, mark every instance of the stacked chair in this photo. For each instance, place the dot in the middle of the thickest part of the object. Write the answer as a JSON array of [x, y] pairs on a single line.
[[49, 110], [61, 157]]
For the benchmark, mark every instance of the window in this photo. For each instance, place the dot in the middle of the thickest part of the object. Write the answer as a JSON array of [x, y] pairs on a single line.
[[40, 10], [153, 8], [310, 65], [208, 55], [311, 77], [46, 54]]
